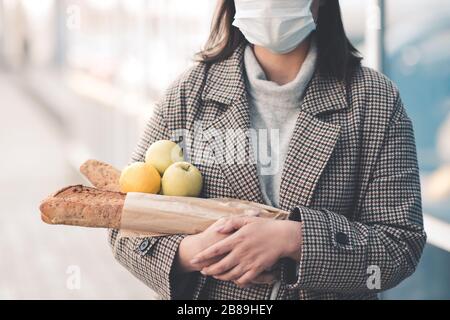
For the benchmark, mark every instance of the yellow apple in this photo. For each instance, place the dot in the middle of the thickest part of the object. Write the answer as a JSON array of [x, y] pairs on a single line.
[[182, 179], [140, 177], [162, 154]]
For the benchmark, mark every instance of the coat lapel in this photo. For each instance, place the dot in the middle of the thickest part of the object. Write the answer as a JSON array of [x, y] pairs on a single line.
[[229, 139], [311, 146], [312, 143], [228, 135]]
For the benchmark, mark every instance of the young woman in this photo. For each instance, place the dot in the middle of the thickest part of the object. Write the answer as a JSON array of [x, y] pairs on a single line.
[[343, 162]]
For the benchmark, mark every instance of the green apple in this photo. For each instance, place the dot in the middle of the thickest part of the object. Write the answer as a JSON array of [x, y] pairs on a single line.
[[162, 154], [182, 179]]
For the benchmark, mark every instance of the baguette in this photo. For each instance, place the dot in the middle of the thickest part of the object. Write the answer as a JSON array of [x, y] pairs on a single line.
[[103, 176], [83, 206]]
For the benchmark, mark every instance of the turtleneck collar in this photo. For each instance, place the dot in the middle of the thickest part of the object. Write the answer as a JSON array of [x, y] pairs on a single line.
[[259, 88]]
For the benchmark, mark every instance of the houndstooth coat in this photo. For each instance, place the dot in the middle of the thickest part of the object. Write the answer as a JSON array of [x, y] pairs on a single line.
[[351, 174]]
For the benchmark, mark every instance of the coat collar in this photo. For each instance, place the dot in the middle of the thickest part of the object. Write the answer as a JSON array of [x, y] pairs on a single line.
[[225, 83], [225, 80], [311, 146]]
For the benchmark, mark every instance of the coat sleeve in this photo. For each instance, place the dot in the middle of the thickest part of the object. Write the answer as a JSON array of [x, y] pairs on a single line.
[[151, 260], [384, 243]]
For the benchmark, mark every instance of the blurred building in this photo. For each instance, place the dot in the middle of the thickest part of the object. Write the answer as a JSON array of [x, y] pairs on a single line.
[[98, 67]]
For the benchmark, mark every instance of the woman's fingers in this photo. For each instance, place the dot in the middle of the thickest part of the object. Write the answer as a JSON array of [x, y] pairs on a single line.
[[221, 267], [233, 274], [207, 263], [220, 248], [218, 224], [231, 225], [235, 223]]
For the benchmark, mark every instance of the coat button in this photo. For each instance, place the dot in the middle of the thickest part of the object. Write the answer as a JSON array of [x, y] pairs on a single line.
[[144, 245], [341, 238]]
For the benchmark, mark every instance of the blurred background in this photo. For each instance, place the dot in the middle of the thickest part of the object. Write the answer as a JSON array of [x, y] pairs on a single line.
[[78, 79]]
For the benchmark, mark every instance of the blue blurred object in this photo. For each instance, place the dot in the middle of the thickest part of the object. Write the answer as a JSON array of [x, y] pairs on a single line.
[[431, 280], [418, 61]]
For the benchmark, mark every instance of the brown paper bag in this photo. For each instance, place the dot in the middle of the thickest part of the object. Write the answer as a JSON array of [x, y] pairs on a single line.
[[180, 215]]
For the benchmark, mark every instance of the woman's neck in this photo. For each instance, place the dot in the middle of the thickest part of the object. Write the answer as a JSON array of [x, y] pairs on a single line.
[[282, 68]]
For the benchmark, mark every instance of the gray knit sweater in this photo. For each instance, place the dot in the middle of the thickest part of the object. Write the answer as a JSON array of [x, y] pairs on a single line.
[[273, 114]]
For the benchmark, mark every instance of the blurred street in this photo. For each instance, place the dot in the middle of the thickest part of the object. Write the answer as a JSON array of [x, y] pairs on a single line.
[[36, 258]]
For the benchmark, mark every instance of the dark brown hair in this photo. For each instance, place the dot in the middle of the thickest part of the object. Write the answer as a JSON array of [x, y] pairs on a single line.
[[337, 56]]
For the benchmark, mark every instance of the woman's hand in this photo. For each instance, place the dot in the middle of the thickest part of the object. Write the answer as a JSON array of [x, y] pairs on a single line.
[[194, 244], [250, 251]]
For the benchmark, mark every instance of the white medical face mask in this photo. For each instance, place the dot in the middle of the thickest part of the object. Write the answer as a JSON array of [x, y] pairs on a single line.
[[277, 25]]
